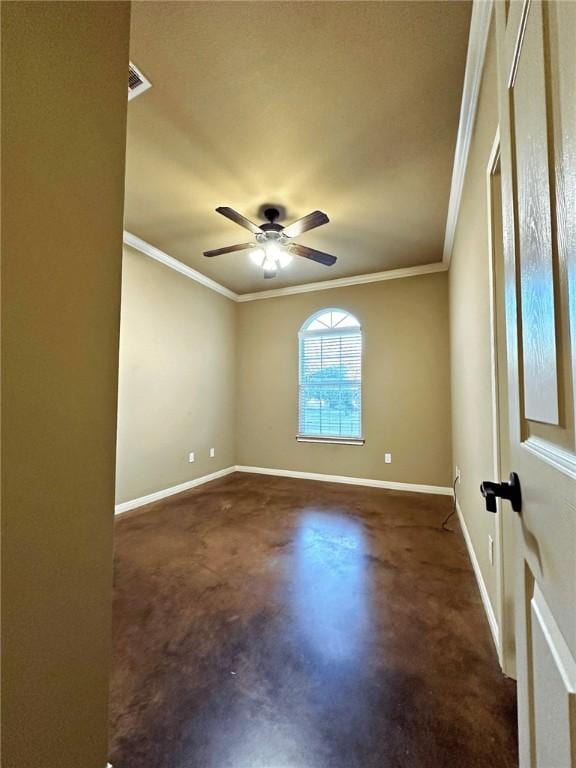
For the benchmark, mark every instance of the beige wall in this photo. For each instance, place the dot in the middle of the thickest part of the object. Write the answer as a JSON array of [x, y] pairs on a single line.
[[470, 330], [63, 145], [177, 379], [406, 398]]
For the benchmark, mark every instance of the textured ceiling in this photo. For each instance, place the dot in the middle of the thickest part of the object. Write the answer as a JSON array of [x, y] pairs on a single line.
[[349, 107]]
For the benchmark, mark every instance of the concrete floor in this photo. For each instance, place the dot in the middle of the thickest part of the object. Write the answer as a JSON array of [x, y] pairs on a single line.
[[263, 622]]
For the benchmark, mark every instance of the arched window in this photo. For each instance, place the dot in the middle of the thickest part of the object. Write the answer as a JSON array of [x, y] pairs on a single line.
[[330, 378]]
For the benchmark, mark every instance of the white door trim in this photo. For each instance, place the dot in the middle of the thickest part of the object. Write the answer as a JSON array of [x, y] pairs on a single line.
[[499, 548]]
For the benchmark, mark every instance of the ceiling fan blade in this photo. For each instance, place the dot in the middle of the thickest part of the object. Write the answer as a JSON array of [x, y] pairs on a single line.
[[311, 221], [237, 218], [314, 255], [229, 249]]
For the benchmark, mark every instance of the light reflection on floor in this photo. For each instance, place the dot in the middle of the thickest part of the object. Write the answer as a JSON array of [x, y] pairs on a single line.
[[271, 745], [329, 591], [329, 611]]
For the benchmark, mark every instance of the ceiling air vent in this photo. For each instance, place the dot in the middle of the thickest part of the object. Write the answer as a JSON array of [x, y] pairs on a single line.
[[137, 83]]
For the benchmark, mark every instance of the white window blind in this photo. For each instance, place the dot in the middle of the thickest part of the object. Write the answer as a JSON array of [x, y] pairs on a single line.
[[330, 380]]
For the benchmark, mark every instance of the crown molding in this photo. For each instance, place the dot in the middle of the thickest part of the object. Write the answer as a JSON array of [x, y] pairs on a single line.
[[340, 282], [477, 42], [155, 253], [343, 282]]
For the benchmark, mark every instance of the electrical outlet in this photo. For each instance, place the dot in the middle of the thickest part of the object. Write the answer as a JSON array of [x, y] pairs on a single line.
[[212, 453], [458, 474], [491, 549], [191, 457], [387, 458]]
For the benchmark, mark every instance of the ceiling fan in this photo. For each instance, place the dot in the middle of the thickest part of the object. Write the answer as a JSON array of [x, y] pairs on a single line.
[[273, 248]]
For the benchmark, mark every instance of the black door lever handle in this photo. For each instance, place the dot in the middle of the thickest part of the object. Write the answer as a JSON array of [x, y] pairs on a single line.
[[507, 490]]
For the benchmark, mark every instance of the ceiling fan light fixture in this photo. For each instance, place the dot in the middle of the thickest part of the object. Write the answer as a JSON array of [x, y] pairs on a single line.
[[271, 256], [273, 250], [269, 264], [257, 256], [284, 258]]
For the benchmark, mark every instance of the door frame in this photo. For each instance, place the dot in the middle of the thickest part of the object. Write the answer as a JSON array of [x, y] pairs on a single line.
[[506, 629]]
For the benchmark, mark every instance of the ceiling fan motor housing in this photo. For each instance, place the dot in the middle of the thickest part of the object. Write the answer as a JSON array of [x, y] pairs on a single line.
[[269, 235], [271, 227], [271, 214]]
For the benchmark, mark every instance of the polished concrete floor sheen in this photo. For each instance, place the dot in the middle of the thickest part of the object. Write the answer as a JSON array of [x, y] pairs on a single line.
[[264, 622]]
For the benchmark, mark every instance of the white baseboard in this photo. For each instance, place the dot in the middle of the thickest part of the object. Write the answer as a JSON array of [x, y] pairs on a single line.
[[490, 615], [125, 506], [143, 500], [411, 487]]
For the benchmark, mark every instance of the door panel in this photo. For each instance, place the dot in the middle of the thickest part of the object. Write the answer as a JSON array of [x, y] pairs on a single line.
[[554, 697], [536, 277], [537, 74]]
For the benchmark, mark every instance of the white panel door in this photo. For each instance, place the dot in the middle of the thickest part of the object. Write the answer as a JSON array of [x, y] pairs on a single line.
[[537, 86]]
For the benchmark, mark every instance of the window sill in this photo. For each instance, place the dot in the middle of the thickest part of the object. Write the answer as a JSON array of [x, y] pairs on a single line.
[[331, 440]]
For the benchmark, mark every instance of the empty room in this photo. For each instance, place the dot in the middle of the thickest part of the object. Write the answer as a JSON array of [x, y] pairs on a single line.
[[288, 384]]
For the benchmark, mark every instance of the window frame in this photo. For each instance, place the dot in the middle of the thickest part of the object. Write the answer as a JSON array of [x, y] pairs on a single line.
[[345, 331]]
